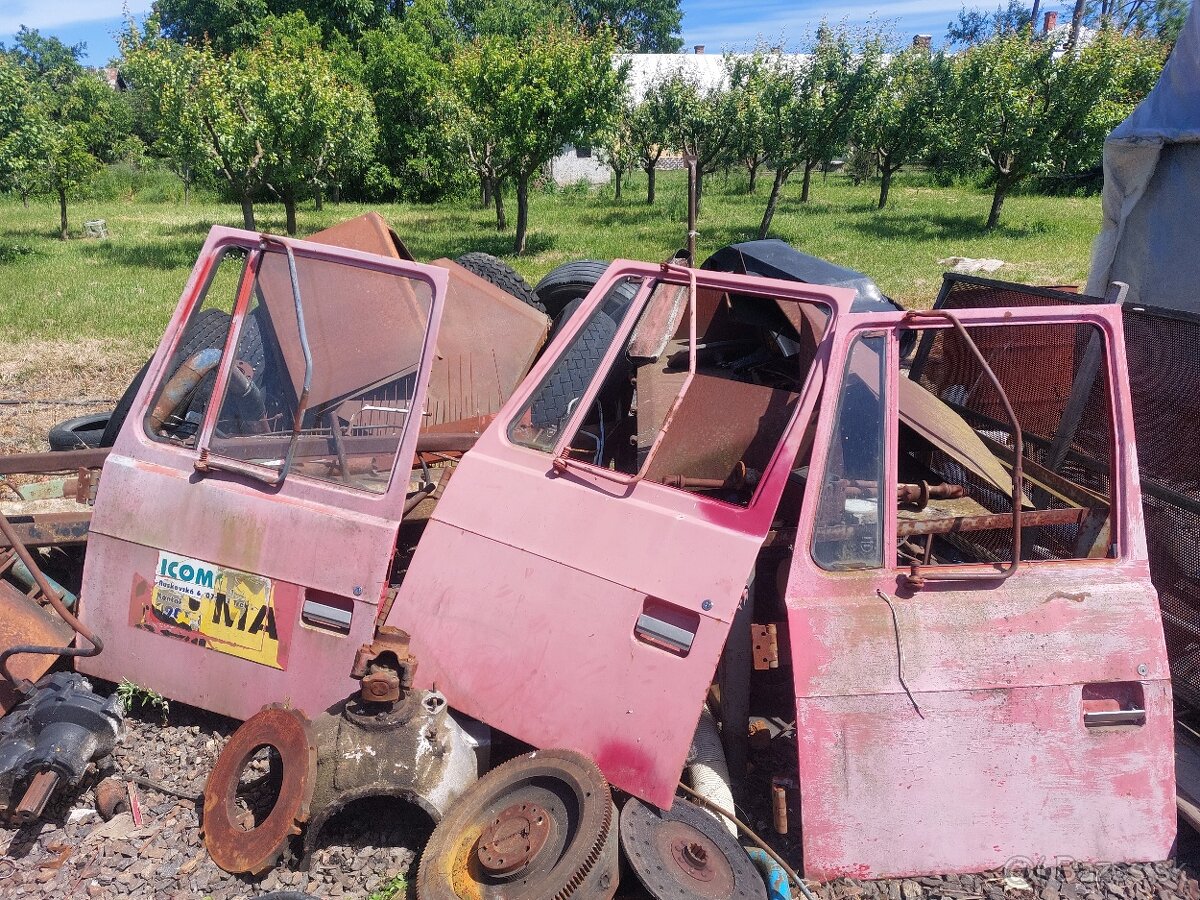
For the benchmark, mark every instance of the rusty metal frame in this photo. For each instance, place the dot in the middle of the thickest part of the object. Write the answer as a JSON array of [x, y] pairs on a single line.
[[916, 577]]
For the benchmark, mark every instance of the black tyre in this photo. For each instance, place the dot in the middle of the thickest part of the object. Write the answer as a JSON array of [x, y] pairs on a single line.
[[572, 281], [79, 433], [208, 328], [502, 275], [575, 371]]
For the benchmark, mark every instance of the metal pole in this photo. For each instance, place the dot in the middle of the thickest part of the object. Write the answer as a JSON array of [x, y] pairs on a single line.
[[690, 160]]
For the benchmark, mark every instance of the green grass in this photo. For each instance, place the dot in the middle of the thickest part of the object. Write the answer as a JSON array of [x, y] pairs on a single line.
[[124, 288]]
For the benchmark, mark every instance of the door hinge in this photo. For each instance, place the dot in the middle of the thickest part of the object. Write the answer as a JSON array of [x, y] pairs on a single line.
[[765, 639]]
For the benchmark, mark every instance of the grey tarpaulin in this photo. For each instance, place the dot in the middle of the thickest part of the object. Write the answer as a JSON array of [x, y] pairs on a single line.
[[1151, 201]]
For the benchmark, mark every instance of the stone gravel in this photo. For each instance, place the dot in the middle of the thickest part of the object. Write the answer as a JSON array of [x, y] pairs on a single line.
[[73, 853]]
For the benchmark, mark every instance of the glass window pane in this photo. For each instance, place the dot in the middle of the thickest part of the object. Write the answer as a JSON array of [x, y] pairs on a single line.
[[186, 387], [849, 526], [541, 420], [365, 332]]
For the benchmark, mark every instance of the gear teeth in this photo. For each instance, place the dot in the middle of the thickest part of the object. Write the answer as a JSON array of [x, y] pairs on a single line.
[[593, 857]]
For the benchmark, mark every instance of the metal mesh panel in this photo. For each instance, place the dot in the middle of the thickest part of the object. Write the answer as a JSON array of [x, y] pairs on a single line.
[[1163, 349]]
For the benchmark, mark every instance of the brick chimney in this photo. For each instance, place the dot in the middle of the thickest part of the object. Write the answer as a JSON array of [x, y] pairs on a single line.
[[923, 41], [699, 48], [1050, 22]]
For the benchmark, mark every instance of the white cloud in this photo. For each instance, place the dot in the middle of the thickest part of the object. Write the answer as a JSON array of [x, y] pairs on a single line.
[[57, 13]]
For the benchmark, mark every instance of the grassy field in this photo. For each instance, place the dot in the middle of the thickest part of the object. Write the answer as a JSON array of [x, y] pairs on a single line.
[[78, 318]]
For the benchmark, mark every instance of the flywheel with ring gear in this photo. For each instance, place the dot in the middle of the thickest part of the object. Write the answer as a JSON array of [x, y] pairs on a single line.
[[540, 826], [686, 854]]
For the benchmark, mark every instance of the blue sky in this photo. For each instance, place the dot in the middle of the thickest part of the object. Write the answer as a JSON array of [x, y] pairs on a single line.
[[717, 24]]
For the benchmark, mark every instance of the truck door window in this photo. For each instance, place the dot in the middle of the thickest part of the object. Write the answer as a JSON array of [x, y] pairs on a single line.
[[365, 332], [185, 388], [705, 418], [540, 422], [849, 526], [955, 446]]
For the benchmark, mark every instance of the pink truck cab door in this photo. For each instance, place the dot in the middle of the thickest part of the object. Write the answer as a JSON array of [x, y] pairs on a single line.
[[243, 535], [577, 580], [949, 719]]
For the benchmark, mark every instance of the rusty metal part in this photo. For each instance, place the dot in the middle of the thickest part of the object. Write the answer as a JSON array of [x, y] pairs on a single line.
[[182, 384], [916, 579], [513, 839], [49, 529], [690, 160], [47, 462], [45, 591], [487, 339], [950, 524], [686, 853], [111, 798], [779, 808], [37, 795], [415, 750], [574, 859], [384, 666], [24, 622], [255, 850]]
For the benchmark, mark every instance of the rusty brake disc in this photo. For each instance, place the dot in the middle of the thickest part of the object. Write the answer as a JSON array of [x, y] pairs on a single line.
[[539, 826], [685, 853], [254, 850]]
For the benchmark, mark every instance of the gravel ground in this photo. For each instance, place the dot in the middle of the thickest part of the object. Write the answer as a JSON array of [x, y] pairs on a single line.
[[73, 853]]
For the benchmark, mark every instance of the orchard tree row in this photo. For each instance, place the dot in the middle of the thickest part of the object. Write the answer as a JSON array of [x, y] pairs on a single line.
[[429, 99], [1006, 109]]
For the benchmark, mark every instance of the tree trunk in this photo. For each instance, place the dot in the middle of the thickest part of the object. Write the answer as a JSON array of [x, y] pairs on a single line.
[[318, 198], [485, 191], [289, 207], [62, 213], [885, 185], [1003, 185], [187, 185], [1033, 22], [753, 167], [248, 212], [498, 199], [650, 182], [337, 194], [808, 167], [1076, 23], [522, 213], [699, 191], [781, 177], [24, 199], [619, 174]]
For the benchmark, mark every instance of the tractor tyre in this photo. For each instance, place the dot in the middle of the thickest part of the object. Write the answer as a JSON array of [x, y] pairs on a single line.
[[502, 275]]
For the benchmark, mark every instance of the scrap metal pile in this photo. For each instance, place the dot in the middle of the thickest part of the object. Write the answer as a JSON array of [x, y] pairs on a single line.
[[579, 574]]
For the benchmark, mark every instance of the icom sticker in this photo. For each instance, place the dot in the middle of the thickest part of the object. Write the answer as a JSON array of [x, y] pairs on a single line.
[[222, 609]]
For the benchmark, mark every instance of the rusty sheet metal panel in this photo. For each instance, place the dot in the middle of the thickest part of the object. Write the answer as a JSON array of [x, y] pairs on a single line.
[[488, 341], [488, 338], [23, 621]]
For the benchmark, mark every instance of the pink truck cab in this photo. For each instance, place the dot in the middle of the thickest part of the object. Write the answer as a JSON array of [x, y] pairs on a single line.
[[916, 605]]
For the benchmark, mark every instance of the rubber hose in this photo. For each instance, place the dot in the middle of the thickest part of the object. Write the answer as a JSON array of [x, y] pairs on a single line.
[[772, 873], [706, 767]]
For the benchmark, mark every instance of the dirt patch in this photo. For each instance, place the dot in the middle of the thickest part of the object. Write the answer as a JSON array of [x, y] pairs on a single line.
[[44, 382]]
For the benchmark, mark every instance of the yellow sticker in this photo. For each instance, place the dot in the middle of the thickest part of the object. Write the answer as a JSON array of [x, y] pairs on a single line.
[[233, 611]]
